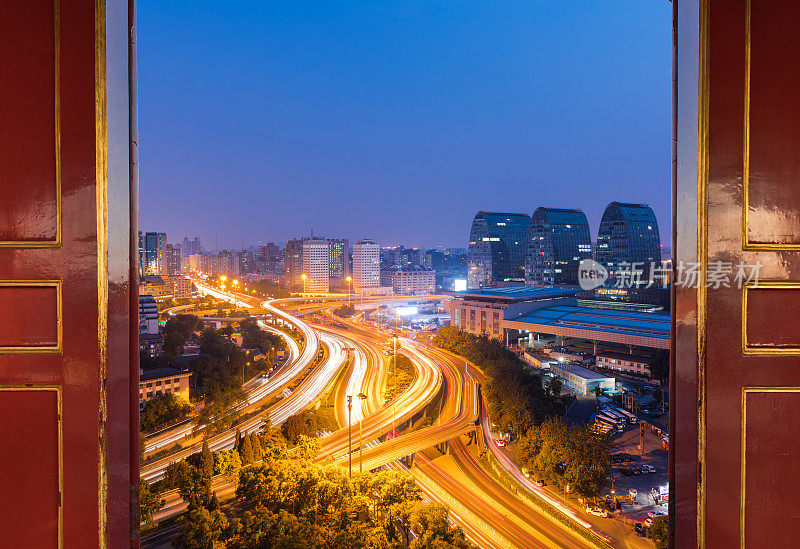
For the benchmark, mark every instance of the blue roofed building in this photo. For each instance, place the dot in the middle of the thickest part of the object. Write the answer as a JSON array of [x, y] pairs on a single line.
[[563, 312]]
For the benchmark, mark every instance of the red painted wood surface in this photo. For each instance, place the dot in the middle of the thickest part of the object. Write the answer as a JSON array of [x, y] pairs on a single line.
[[752, 215], [92, 516]]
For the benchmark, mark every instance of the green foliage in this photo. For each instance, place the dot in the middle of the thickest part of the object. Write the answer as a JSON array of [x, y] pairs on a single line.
[[254, 337], [565, 454], [345, 311], [227, 462], [291, 502], [206, 460], [659, 532], [659, 365], [246, 450], [195, 487], [401, 377], [162, 409], [307, 423], [514, 395], [176, 474], [177, 331], [202, 529], [150, 501]]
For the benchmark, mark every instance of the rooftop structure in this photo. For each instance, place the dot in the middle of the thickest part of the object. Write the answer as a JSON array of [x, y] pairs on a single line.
[[582, 380]]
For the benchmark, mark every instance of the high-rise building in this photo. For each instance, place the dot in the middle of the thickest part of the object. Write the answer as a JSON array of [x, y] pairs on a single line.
[[191, 247], [366, 265], [269, 255], [316, 265], [172, 257], [339, 260], [558, 239], [293, 261], [628, 240], [496, 252], [154, 247]]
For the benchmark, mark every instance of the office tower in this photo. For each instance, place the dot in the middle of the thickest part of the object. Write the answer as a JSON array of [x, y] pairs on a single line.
[[191, 247], [558, 239], [153, 252], [339, 260], [628, 240], [172, 255], [497, 246], [293, 261], [316, 265], [366, 265], [270, 256]]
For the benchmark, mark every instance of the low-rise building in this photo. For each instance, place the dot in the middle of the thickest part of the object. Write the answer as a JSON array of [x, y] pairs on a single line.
[[625, 363], [582, 380], [409, 279], [163, 380], [155, 286], [538, 359], [181, 286]]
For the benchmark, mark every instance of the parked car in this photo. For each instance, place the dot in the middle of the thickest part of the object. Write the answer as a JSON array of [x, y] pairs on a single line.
[[627, 471], [597, 512], [648, 522], [539, 483], [526, 473], [640, 530], [655, 513], [651, 468]]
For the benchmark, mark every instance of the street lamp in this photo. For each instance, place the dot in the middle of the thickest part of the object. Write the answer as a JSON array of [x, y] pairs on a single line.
[[349, 289], [303, 276], [363, 397]]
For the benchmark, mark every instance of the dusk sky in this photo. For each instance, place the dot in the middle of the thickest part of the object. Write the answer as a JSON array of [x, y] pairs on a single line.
[[260, 121]]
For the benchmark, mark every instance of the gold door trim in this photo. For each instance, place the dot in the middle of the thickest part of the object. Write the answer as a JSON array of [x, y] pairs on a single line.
[[56, 349], [59, 422], [743, 448], [57, 146], [747, 245], [764, 350]]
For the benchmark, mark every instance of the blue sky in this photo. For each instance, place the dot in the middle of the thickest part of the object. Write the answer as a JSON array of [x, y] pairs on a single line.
[[260, 121]]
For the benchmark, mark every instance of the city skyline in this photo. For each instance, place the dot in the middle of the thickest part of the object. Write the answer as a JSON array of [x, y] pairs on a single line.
[[335, 109]]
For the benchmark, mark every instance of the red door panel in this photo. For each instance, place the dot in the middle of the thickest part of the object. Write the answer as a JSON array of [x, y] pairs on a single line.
[[66, 424]]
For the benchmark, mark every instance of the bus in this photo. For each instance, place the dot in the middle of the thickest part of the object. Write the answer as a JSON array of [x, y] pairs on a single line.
[[630, 417], [613, 412], [603, 419], [612, 418]]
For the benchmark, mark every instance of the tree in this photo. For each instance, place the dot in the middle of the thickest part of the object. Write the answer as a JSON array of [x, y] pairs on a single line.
[[162, 409], [554, 386], [206, 460], [429, 522], [258, 453], [150, 501], [294, 427], [246, 450], [227, 462], [177, 331], [176, 473], [659, 365], [659, 532], [202, 529], [195, 488]]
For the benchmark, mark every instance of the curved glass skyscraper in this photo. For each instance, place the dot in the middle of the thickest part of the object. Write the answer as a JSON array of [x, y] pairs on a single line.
[[558, 239], [628, 234], [496, 252]]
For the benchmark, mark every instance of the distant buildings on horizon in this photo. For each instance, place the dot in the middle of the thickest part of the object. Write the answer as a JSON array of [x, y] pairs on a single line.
[[507, 249]]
